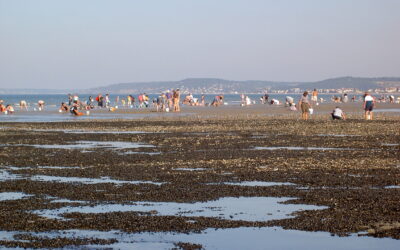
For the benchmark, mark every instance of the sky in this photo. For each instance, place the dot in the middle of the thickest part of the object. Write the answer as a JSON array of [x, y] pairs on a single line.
[[81, 44]]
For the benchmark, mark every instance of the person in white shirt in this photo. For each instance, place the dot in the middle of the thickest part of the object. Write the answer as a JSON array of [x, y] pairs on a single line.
[[369, 103], [338, 114]]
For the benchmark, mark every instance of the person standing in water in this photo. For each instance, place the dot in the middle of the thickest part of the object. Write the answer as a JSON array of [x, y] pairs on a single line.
[[69, 99], [176, 97], [369, 103], [107, 101], [314, 97], [23, 105], [169, 99], [41, 105], [305, 106]]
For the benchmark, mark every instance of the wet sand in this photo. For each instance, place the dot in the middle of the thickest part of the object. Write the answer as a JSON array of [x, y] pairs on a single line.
[[345, 173]]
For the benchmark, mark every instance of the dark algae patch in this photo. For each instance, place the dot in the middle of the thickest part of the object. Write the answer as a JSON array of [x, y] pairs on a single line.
[[345, 174]]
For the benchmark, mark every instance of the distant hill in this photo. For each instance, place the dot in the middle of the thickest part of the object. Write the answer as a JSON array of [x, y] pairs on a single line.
[[193, 85], [216, 86], [33, 91], [361, 83]]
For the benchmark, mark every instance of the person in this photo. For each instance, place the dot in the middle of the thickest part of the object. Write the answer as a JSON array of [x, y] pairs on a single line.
[[129, 100], [338, 114], [69, 99], [345, 98], [99, 100], [265, 98], [217, 101], [289, 101], [176, 96], [41, 105], [2, 107], [391, 99], [74, 109], [305, 106], [107, 101], [23, 105], [369, 103], [248, 100], [160, 103], [116, 101], [314, 97], [169, 99], [146, 99], [9, 109], [243, 100], [274, 101], [187, 100], [64, 107], [140, 98], [89, 103]]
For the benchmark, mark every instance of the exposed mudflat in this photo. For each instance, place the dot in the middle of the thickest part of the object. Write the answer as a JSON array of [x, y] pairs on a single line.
[[340, 177]]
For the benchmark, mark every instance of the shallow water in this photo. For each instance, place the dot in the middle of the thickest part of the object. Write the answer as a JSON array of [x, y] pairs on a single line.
[[95, 144], [6, 176], [57, 200], [391, 144], [53, 116], [83, 180], [386, 110], [258, 183], [71, 131], [42, 167], [5, 196], [231, 238], [299, 148], [230, 208], [190, 169], [338, 135], [135, 153]]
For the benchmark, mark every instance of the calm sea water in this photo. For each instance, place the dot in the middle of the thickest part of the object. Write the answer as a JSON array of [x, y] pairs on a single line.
[[55, 100]]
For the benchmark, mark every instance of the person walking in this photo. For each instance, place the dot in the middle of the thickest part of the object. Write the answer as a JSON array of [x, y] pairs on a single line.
[[369, 103]]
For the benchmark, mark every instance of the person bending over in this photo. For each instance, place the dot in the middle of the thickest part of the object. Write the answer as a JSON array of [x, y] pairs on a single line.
[[338, 114]]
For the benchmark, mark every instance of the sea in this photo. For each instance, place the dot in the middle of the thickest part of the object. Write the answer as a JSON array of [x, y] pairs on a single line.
[[54, 101]]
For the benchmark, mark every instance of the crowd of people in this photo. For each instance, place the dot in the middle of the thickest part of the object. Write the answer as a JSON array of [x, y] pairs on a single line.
[[6, 109], [171, 101]]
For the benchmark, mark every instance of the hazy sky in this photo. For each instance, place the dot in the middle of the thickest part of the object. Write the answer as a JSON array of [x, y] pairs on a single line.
[[87, 43]]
